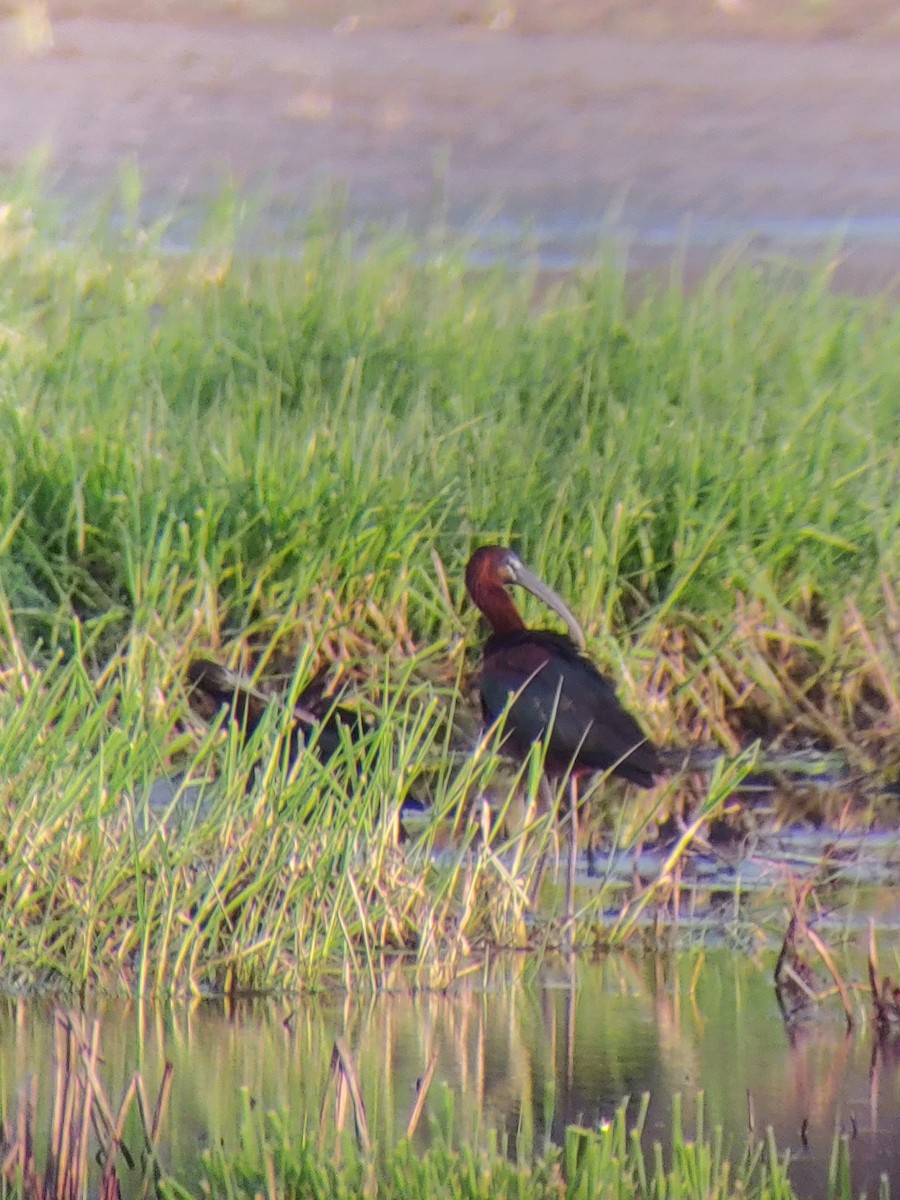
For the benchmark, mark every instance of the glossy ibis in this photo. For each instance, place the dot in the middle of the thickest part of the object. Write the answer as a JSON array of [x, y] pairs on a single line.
[[549, 690], [316, 719]]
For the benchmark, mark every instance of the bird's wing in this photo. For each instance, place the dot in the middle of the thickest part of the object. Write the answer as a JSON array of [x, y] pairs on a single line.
[[565, 694]]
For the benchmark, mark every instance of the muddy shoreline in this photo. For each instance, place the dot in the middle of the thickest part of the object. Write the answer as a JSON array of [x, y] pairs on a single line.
[[536, 143]]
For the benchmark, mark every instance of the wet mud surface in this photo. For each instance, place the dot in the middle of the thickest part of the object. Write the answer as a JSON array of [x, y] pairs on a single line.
[[524, 134]]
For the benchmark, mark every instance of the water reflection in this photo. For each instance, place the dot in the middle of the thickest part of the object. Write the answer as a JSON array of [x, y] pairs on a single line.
[[523, 1051]]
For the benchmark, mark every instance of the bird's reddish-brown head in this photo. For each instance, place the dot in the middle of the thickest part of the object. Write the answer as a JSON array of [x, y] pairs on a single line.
[[490, 566], [489, 572]]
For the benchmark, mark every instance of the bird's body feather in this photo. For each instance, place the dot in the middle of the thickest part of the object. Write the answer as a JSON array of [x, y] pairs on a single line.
[[318, 723], [317, 720], [556, 694]]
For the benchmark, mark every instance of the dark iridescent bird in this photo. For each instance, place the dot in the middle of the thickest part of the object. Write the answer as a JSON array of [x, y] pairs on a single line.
[[318, 723], [317, 720], [549, 690], [557, 690]]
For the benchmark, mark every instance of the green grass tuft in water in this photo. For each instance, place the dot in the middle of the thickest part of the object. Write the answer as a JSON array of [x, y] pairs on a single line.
[[605, 1161]]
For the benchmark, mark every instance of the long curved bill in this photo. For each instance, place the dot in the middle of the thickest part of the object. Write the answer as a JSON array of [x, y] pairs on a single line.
[[528, 580]]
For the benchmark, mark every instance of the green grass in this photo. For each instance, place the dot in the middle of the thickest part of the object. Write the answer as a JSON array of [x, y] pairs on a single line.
[[287, 461], [256, 433], [608, 1161], [270, 430]]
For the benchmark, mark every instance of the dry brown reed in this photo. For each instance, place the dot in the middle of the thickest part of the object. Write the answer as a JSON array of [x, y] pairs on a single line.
[[80, 1105], [796, 985], [344, 1075], [790, 680], [885, 994]]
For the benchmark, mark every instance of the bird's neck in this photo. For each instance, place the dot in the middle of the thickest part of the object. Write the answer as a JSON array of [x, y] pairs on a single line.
[[498, 609]]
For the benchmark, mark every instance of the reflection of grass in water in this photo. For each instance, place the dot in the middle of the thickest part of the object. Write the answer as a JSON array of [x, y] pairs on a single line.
[[289, 460], [520, 1059], [283, 1154]]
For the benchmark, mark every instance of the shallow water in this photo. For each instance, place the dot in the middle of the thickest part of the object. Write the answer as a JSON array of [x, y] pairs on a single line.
[[520, 1050]]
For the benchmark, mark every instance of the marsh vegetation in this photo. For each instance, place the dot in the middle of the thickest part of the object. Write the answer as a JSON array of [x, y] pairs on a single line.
[[283, 464]]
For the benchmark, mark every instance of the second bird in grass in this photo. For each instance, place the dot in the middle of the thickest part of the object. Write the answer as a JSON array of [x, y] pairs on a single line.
[[554, 693], [317, 720]]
